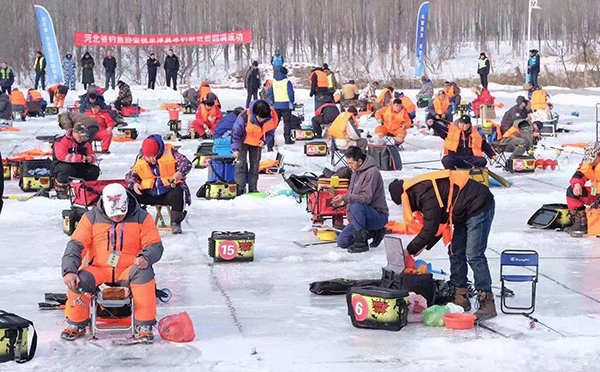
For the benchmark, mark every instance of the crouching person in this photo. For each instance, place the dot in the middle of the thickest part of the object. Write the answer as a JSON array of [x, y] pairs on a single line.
[[254, 128], [365, 203], [578, 195], [73, 157], [158, 178], [460, 211], [122, 243]]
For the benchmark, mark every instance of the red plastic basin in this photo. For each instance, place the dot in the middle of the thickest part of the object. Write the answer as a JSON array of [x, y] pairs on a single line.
[[459, 321]]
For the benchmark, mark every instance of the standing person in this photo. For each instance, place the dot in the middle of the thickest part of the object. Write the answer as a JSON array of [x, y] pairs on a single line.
[[7, 78], [333, 85], [282, 94], [40, 70], [365, 202], [153, 65], [5, 108], [87, 70], [252, 82], [1, 183], [70, 70], [533, 67], [319, 87], [460, 211], [254, 128], [158, 178], [425, 94], [171, 68], [110, 68], [276, 62], [483, 69]]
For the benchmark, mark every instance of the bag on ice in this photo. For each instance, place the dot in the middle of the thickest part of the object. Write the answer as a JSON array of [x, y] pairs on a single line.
[[177, 328]]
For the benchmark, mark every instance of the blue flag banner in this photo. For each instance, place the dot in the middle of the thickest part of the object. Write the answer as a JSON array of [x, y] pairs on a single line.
[[421, 37], [53, 64]]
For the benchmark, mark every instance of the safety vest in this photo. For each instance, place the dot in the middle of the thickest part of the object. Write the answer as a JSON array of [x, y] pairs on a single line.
[[482, 63], [510, 133], [408, 104], [5, 73], [38, 62], [206, 113], [254, 132], [203, 92], [449, 90], [440, 106], [166, 169], [454, 136], [381, 98], [322, 80], [268, 84], [280, 91], [456, 179], [35, 95], [394, 120], [592, 174], [330, 81], [538, 100], [17, 98], [337, 129]]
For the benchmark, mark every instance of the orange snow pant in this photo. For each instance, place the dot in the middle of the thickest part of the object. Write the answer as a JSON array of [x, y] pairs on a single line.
[[399, 133], [141, 282], [59, 100]]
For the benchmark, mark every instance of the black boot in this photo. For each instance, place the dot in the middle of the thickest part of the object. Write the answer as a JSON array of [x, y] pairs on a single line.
[[176, 218], [289, 140], [360, 242], [377, 237], [61, 190], [579, 219]]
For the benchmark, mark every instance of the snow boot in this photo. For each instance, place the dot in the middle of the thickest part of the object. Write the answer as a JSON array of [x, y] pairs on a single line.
[[360, 242], [72, 332], [579, 227], [176, 219], [144, 334], [461, 298], [377, 237], [289, 141], [487, 306], [61, 190]]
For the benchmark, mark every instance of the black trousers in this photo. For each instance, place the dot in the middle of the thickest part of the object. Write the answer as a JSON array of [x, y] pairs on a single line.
[[248, 154], [40, 76], [173, 198], [317, 125], [62, 171], [151, 80], [484, 80], [286, 115], [118, 105], [172, 76], [110, 77], [6, 89], [250, 96], [463, 162]]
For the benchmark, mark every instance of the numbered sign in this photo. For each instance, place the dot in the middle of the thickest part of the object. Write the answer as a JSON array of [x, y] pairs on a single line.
[[360, 307], [228, 250]]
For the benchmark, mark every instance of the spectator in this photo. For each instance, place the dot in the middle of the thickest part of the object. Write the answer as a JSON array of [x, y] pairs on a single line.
[[276, 62], [70, 70], [110, 68], [171, 68], [281, 92], [87, 74], [153, 64], [252, 82], [533, 67], [40, 70], [7, 78], [483, 69]]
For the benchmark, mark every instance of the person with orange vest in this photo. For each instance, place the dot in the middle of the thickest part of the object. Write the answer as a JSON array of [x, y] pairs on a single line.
[[384, 98], [439, 108], [463, 146], [319, 87], [408, 105], [208, 116], [578, 195], [204, 92], [158, 178], [460, 211], [541, 105], [344, 131], [36, 105], [58, 93], [520, 137], [393, 120], [122, 243], [452, 92], [105, 124], [18, 101], [254, 128]]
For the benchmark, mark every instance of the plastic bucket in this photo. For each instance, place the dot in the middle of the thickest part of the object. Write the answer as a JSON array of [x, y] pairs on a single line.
[[459, 320], [173, 114]]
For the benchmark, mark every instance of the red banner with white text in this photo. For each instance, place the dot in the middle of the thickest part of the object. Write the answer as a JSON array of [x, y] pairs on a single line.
[[213, 38]]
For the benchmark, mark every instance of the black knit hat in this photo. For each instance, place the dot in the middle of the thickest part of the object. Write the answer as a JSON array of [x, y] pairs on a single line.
[[465, 119], [396, 189]]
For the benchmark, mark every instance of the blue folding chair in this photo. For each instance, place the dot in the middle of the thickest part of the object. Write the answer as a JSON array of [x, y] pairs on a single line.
[[527, 260]]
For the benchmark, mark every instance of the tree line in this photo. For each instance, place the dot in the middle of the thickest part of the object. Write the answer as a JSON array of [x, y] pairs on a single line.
[[357, 37]]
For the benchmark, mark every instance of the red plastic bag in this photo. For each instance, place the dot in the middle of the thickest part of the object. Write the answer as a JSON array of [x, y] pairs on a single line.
[[177, 328]]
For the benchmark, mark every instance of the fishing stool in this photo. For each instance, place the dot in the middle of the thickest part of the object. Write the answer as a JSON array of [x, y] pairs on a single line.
[[525, 269], [159, 220], [111, 314]]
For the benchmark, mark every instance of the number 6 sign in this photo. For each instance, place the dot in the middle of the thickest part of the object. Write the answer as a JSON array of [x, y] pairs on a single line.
[[360, 307], [228, 249]]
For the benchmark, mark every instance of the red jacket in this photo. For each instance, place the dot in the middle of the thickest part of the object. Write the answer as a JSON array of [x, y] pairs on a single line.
[[485, 98], [69, 151], [103, 118], [202, 115]]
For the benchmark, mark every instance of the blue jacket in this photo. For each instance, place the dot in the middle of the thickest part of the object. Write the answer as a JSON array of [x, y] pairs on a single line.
[[225, 125], [534, 63], [85, 104], [239, 128], [277, 60], [290, 88]]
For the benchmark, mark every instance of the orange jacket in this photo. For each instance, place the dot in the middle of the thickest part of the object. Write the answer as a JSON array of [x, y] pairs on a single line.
[[34, 95], [454, 136], [202, 115], [337, 129], [385, 97], [17, 98], [441, 106], [322, 81], [103, 118], [538, 100], [167, 166], [254, 133], [408, 104], [393, 120]]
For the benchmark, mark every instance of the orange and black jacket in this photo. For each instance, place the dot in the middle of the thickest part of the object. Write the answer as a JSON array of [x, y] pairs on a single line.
[[473, 199], [463, 149], [97, 236]]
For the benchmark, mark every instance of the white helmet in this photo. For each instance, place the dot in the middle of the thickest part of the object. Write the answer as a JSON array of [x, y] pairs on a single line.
[[114, 200]]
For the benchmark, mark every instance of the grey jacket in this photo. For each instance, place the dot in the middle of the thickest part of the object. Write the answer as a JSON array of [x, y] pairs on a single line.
[[366, 186], [68, 120], [5, 107], [72, 257], [426, 91]]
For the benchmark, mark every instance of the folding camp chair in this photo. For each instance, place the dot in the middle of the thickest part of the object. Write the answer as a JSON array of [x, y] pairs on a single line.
[[337, 155], [501, 160], [523, 263], [111, 315]]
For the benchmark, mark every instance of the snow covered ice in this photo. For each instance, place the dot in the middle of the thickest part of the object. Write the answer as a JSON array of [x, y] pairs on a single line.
[[260, 316]]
